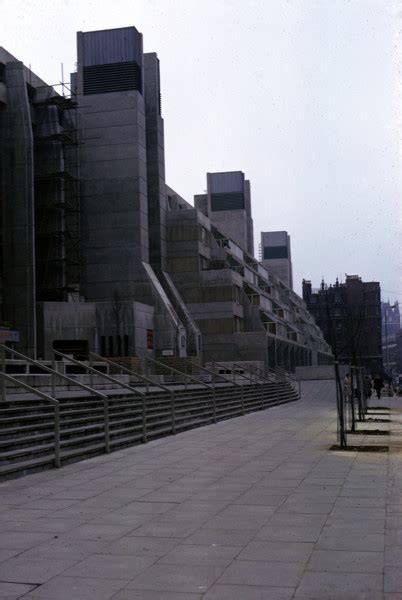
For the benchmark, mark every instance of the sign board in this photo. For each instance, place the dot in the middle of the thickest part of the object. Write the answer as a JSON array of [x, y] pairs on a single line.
[[167, 352], [9, 335]]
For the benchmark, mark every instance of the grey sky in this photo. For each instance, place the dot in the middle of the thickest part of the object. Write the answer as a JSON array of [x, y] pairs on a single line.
[[304, 96]]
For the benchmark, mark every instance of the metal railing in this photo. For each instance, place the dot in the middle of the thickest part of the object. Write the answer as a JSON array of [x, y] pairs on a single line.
[[213, 374], [147, 380], [217, 399], [172, 370], [187, 378], [55, 403], [54, 374], [238, 374], [91, 370], [286, 377]]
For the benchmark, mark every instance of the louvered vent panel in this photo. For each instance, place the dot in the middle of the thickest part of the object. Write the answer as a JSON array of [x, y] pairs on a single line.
[[227, 201], [115, 77]]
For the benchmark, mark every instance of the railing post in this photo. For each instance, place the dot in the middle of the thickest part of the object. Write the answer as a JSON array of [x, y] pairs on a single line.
[[277, 397], [213, 401], [56, 435], [262, 395], [106, 424], [3, 379], [172, 408], [91, 374], [53, 380], [242, 399], [144, 420], [185, 381]]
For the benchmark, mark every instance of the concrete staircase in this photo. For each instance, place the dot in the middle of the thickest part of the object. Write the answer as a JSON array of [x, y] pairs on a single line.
[[27, 424]]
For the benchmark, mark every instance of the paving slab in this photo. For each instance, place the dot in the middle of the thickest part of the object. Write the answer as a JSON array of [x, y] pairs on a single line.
[[253, 508]]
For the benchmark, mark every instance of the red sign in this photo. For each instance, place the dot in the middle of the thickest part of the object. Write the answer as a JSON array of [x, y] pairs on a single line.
[[9, 335]]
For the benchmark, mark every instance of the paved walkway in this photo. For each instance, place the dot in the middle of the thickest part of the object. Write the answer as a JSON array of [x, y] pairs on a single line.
[[256, 507]]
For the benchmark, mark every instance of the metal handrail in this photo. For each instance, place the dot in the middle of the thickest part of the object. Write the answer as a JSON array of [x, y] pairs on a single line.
[[187, 376], [55, 374], [148, 380], [289, 378], [234, 383], [52, 401], [262, 373], [92, 369], [280, 375], [212, 372], [52, 372], [173, 370], [238, 374], [234, 365], [266, 375]]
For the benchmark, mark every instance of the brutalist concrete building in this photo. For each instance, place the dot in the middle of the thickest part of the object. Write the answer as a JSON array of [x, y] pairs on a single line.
[[98, 253]]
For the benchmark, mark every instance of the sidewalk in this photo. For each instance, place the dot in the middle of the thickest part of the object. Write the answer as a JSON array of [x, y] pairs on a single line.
[[253, 508]]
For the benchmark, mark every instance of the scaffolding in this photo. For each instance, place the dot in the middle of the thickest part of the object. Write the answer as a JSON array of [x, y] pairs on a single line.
[[57, 199]]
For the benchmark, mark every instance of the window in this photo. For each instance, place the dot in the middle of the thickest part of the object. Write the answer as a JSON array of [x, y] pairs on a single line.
[[204, 235], [203, 262], [103, 345], [126, 345], [227, 201], [150, 339], [111, 349], [237, 292]]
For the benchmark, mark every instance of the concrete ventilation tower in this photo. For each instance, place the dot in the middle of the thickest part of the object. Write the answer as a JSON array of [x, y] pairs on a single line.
[[228, 204], [276, 255]]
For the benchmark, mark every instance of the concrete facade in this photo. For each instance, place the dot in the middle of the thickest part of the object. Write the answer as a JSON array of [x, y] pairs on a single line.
[[243, 311], [100, 254], [228, 205], [276, 255]]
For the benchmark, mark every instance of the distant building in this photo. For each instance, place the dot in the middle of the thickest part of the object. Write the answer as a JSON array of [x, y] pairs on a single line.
[[391, 327], [276, 255], [398, 353], [349, 315]]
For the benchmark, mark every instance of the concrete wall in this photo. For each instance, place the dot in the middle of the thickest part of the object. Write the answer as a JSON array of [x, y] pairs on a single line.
[[280, 267], [65, 321], [17, 192], [155, 163], [236, 347], [319, 372], [114, 185]]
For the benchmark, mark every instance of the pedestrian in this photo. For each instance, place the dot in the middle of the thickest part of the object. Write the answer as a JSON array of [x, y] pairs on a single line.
[[347, 387], [367, 387], [378, 384]]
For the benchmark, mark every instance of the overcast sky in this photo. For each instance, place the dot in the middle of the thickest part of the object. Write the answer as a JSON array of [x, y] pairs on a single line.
[[304, 96]]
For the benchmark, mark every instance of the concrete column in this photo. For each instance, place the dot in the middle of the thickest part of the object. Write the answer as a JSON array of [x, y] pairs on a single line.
[[155, 163], [18, 211]]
